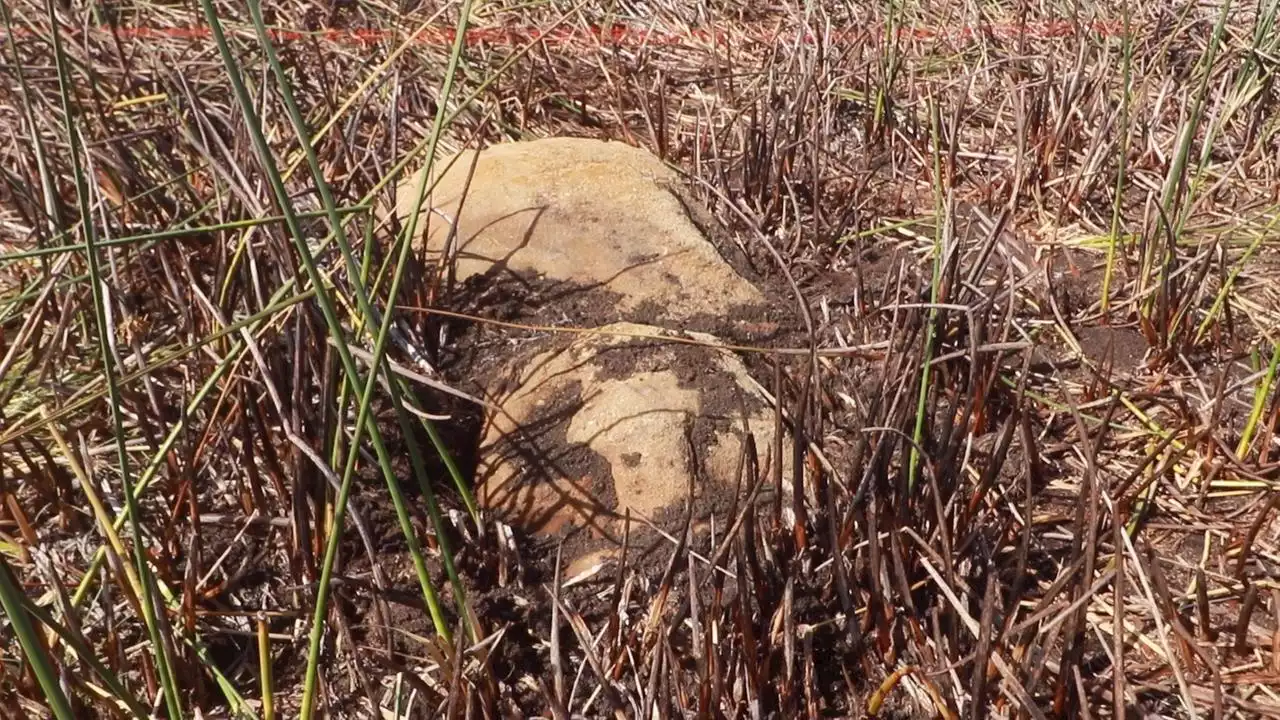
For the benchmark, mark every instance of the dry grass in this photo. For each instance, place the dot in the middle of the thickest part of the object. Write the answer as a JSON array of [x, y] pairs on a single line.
[[1065, 215]]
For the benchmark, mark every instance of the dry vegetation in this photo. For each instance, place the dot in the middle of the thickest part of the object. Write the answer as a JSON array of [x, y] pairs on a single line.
[[1054, 486]]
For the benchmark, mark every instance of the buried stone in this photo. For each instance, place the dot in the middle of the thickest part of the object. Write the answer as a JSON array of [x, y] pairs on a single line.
[[628, 418]]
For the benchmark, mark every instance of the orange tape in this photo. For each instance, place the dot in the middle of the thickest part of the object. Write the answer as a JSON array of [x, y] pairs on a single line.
[[612, 34]]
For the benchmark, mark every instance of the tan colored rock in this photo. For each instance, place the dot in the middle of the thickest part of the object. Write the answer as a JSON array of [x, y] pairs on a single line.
[[590, 212], [623, 418]]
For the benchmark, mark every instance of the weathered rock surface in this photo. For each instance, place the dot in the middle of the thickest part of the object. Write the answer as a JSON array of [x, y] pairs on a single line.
[[633, 417], [587, 212], [627, 418]]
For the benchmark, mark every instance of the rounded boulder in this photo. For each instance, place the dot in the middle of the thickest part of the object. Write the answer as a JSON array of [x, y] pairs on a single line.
[[586, 213]]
